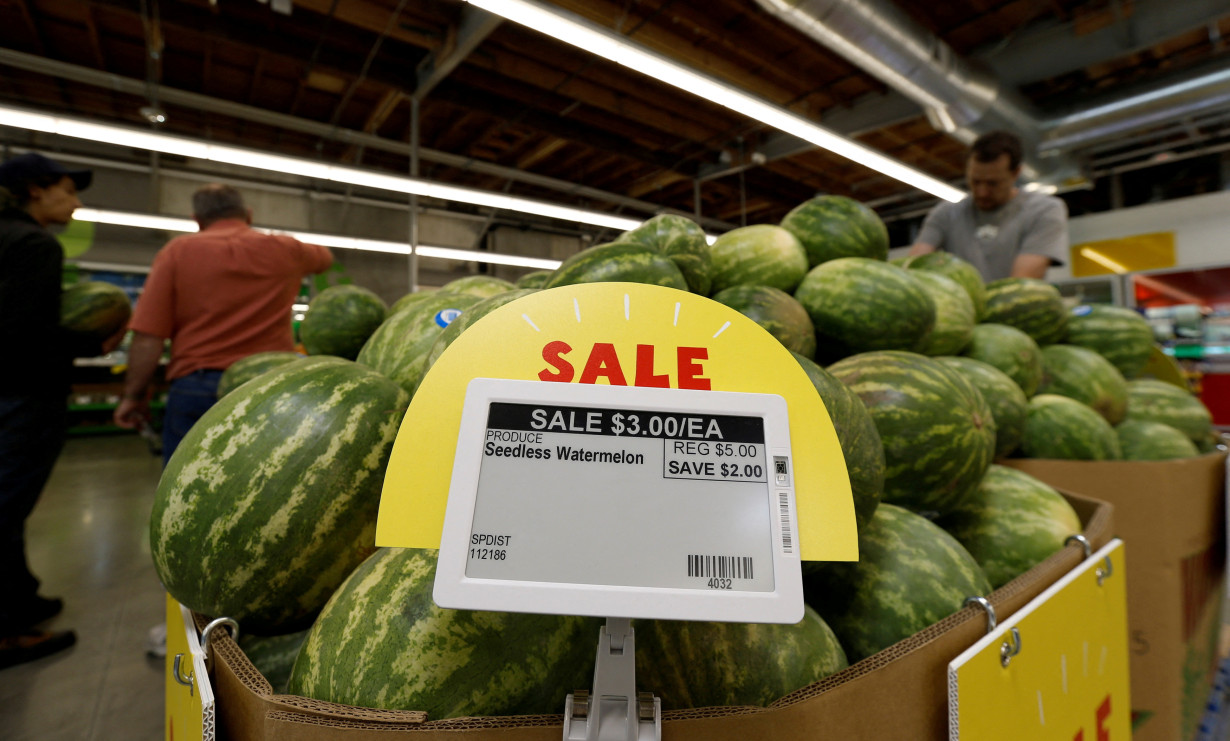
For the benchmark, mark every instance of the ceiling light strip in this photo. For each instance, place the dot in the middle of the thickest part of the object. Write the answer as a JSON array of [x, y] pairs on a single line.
[[173, 224], [199, 149], [574, 30]]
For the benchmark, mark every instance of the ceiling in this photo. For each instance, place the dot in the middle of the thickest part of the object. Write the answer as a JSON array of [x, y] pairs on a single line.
[[505, 108]]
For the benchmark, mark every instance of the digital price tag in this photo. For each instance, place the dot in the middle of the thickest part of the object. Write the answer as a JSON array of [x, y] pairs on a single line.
[[635, 502], [1057, 670]]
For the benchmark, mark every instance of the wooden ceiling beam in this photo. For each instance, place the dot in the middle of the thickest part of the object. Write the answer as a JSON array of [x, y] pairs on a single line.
[[91, 29], [545, 148]]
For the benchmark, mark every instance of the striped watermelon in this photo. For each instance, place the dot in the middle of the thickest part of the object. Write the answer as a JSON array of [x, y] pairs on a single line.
[[860, 441], [954, 314], [273, 656], [759, 255], [1063, 428], [1143, 440], [1005, 398], [381, 642], [270, 500], [951, 266], [776, 311], [398, 348], [410, 299], [937, 430], [1120, 335], [1011, 351], [683, 241], [94, 309], [463, 322], [1211, 442], [340, 319], [1158, 401], [861, 304], [1084, 375], [1011, 524], [483, 286], [830, 227], [245, 369], [535, 279], [691, 664], [1032, 306], [618, 262], [910, 575]]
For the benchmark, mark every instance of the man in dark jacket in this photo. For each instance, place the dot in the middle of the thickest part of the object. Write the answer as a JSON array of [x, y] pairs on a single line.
[[35, 192]]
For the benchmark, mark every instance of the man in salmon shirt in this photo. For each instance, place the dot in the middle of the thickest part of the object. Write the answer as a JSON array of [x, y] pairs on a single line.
[[219, 295]]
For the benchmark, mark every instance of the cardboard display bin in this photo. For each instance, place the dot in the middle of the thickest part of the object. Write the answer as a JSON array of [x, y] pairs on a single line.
[[1172, 517], [900, 692]]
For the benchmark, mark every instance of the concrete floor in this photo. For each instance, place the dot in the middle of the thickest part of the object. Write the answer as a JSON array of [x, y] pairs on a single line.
[[88, 543]]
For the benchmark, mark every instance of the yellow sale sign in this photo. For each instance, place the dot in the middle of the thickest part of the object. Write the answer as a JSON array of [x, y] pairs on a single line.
[[1057, 670], [189, 696]]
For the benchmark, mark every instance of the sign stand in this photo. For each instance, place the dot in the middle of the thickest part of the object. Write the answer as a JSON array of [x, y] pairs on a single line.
[[614, 711]]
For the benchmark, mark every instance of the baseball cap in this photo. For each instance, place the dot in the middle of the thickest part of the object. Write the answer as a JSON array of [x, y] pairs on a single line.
[[20, 171]]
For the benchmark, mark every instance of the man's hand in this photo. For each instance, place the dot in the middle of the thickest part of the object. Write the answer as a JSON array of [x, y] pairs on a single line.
[[1030, 266], [921, 248], [114, 340], [131, 413]]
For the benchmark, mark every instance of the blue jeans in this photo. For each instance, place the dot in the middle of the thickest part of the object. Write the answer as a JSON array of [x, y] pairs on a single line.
[[190, 397], [32, 431]]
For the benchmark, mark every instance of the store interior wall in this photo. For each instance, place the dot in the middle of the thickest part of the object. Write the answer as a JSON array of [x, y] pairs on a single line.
[[305, 209]]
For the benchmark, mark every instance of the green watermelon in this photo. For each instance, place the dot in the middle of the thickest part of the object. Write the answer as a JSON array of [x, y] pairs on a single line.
[[1013, 523], [410, 299], [618, 262], [94, 309], [245, 369], [683, 241], [1118, 334], [270, 500], [1143, 440], [463, 322], [1032, 306], [937, 430], [483, 286], [1158, 401], [690, 664], [910, 575], [340, 319], [535, 279], [759, 255], [398, 348], [273, 656], [860, 441], [382, 642], [1084, 375], [965, 274], [1011, 351], [861, 304], [1060, 427], [776, 311], [830, 227], [904, 261], [954, 315], [1211, 442], [1005, 398]]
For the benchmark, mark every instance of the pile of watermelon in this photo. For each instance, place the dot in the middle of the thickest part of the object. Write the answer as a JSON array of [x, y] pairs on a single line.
[[266, 511]]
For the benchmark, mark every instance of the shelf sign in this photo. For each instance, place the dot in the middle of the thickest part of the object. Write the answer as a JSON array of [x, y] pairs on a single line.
[[189, 695], [1057, 670], [638, 364]]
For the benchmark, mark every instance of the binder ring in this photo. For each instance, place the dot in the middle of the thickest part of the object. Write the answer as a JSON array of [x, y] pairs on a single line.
[[1104, 571], [207, 634], [1083, 541], [1006, 651], [982, 602]]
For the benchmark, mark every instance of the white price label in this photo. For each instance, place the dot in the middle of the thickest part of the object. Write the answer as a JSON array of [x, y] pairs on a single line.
[[618, 501]]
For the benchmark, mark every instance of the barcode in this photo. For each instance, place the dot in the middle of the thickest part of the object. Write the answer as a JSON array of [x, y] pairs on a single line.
[[722, 567], [783, 504]]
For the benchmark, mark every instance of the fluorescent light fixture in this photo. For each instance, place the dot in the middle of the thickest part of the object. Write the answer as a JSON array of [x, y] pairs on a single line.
[[169, 144], [1041, 188], [573, 30], [172, 224]]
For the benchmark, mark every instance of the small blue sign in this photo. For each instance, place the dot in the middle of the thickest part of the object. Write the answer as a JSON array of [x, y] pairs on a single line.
[[446, 316], [1082, 310]]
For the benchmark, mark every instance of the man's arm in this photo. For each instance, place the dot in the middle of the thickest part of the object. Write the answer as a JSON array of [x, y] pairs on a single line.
[[143, 357], [921, 248], [1030, 266], [931, 236]]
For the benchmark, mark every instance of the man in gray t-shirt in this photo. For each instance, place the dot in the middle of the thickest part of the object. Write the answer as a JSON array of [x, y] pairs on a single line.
[[1002, 230]]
